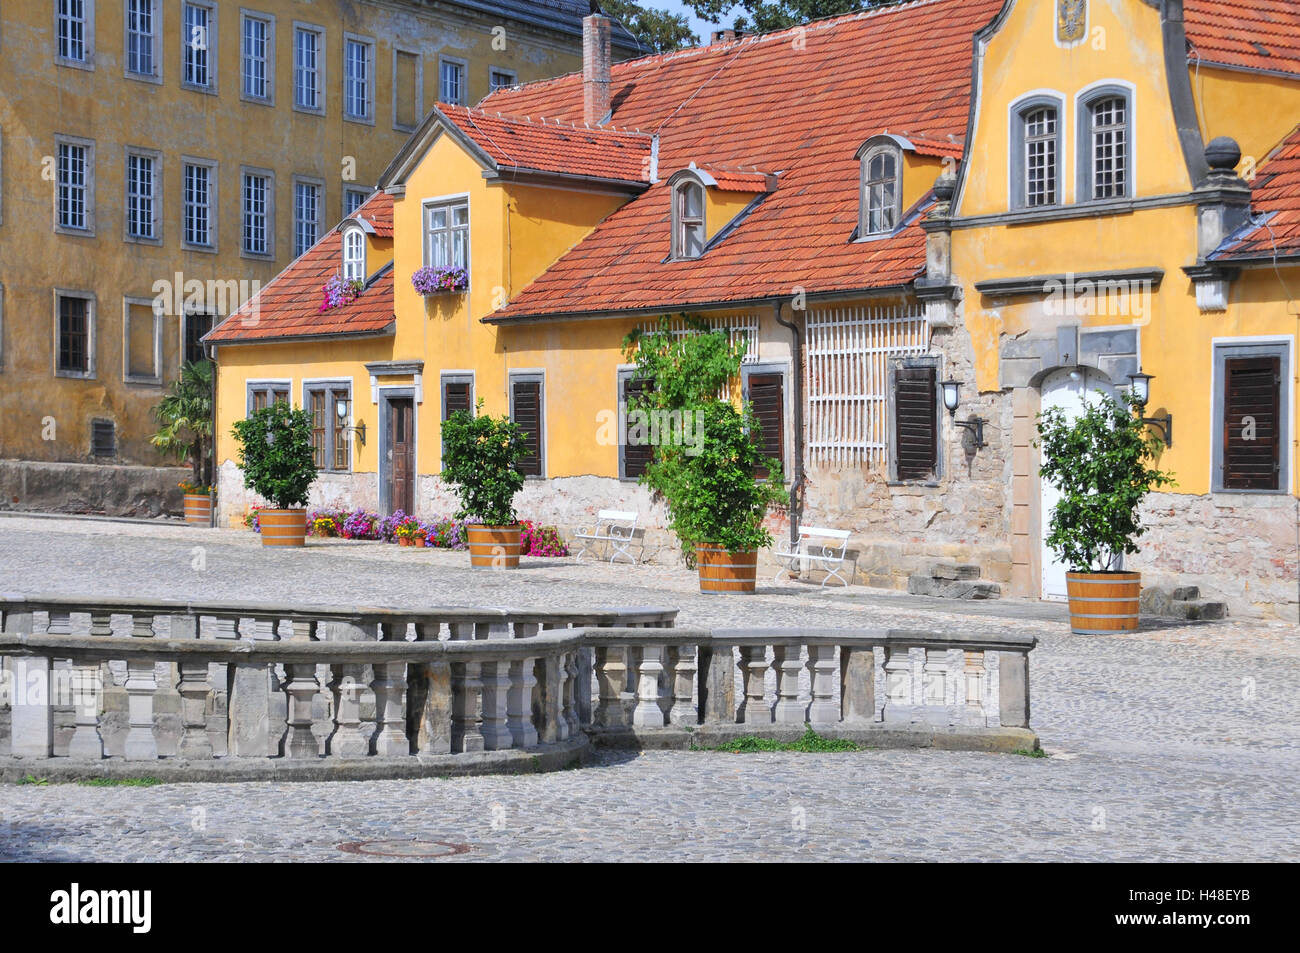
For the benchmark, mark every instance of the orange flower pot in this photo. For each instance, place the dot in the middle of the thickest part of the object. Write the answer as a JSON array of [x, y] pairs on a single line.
[[493, 547]]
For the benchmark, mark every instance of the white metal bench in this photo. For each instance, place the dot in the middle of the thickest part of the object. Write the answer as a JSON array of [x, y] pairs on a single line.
[[615, 529], [821, 555]]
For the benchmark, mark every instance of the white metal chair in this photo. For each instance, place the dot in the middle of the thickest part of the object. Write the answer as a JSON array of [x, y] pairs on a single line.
[[614, 529], [821, 555]]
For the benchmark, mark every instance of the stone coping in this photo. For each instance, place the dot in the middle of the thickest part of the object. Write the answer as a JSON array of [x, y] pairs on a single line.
[[552, 757]]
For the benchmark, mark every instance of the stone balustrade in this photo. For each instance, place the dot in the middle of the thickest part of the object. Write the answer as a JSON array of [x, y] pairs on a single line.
[[249, 690]]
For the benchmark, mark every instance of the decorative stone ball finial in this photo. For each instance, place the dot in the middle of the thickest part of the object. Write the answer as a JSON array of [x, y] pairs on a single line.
[[1223, 154], [945, 187]]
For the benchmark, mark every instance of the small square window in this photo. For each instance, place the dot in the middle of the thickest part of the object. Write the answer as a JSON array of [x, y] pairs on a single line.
[[103, 438]]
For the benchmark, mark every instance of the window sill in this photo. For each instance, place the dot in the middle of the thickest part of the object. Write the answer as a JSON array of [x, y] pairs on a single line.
[[1220, 492], [74, 232], [257, 256], [309, 110], [257, 100], [922, 484], [140, 240], [195, 88], [360, 120], [87, 64], [152, 79], [143, 381], [75, 375], [204, 249]]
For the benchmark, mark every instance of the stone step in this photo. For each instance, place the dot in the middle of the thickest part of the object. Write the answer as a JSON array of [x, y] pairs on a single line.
[[1198, 609], [954, 571], [919, 585], [1181, 602]]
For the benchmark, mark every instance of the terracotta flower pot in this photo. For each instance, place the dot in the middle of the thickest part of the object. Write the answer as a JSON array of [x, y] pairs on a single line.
[[723, 571], [405, 541], [493, 547], [1103, 602], [283, 527], [198, 509]]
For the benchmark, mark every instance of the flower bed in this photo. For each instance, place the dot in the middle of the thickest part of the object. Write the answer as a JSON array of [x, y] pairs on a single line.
[[439, 533]]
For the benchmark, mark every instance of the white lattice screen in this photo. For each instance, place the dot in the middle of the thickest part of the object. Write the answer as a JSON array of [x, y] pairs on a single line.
[[738, 327], [848, 351]]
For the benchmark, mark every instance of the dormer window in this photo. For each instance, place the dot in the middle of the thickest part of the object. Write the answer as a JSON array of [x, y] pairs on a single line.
[[880, 186], [1036, 153], [1105, 143], [354, 255], [688, 219]]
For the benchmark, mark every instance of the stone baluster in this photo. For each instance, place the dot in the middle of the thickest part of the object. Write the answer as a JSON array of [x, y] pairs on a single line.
[[1013, 689], [347, 740], [789, 664], [526, 630], [193, 686], [496, 688], [611, 676], [300, 688], [577, 687], [389, 686], [822, 710], [682, 663], [753, 669], [248, 699], [141, 683], [428, 697], [466, 707], [86, 742], [519, 706], [226, 629], [648, 713], [584, 663], [550, 701]]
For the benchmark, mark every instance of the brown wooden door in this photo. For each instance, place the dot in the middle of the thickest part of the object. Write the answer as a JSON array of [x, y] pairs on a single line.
[[401, 454]]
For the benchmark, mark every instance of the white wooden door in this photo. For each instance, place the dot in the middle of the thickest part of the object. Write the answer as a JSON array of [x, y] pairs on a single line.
[[1071, 391]]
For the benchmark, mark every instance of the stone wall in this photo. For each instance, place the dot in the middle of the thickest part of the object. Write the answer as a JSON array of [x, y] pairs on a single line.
[[88, 488], [346, 490], [1238, 548]]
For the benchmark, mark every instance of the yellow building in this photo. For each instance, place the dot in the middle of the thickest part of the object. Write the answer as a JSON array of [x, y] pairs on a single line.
[[161, 159], [874, 217]]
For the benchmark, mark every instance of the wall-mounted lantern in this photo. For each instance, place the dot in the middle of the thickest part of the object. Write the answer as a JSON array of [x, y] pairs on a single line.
[[341, 408], [951, 400], [1141, 389]]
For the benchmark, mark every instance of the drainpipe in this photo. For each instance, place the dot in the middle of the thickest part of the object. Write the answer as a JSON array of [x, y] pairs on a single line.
[[796, 373], [211, 350]]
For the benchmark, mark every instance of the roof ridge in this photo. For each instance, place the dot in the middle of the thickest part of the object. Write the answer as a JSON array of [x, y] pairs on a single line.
[[543, 122]]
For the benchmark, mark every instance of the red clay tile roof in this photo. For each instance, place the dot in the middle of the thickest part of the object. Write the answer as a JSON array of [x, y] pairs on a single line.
[[797, 102], [1249, 34], [289, 306], [1275, 201], [738, 180], [533, 144]]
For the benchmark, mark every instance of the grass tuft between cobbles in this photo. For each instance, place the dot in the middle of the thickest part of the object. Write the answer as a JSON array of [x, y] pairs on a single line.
[[811, 742]]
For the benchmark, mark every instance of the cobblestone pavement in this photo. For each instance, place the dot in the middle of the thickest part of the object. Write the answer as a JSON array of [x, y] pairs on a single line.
[[1174, 743]]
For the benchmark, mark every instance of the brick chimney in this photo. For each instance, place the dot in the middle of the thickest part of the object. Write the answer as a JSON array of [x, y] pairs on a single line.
[[595, 68]]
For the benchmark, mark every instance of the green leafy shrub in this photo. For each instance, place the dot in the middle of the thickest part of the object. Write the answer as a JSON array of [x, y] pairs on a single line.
[[481, 456], [184, 418], [1100, 462], [708, 483], [275, 452]]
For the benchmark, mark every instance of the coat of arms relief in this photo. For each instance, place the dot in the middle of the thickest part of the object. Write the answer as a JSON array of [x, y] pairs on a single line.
[[1071, 20]]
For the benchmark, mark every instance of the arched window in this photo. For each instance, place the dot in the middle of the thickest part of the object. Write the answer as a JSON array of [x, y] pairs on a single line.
[[881, 192], [354, 255], [1105, 144], [688, 219], [1036, 153]]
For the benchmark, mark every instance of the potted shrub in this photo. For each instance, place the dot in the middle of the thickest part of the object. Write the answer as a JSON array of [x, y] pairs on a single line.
[[705, 468], [184, 418], [481, 456], [275, 452], [1101, 464]]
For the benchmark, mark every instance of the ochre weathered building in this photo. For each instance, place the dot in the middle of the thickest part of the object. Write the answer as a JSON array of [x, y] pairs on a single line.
[[1034, 198], [160, 159]]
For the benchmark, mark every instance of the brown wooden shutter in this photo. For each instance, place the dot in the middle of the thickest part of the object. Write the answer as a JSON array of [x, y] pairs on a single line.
[[916, 438], [455, 396], [636, 456], [1251, 415], [766, 394], [527, 412]]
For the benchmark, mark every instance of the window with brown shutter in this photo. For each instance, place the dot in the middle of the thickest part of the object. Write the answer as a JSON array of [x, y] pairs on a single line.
[[455, 397], [1252, 423], [526, 411], [767, 396], [916, 431], [637, 453]]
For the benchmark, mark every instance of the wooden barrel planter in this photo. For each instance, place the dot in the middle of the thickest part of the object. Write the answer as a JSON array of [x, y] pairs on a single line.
[[283, 527], [1103, 602], [723, 571], [493, 547], [198, 509]]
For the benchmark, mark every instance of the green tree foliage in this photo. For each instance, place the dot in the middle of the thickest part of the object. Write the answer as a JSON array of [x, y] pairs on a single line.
[[762, 16], [1100, 463], [660, 30], [184, 418], [275, 452], [481, 456], [708, 483]]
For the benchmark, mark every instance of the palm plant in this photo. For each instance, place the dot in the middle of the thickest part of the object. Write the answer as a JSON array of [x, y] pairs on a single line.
[[184, 416]]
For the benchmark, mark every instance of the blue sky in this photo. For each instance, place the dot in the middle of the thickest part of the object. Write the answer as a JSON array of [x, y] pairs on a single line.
[[701, 27]]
